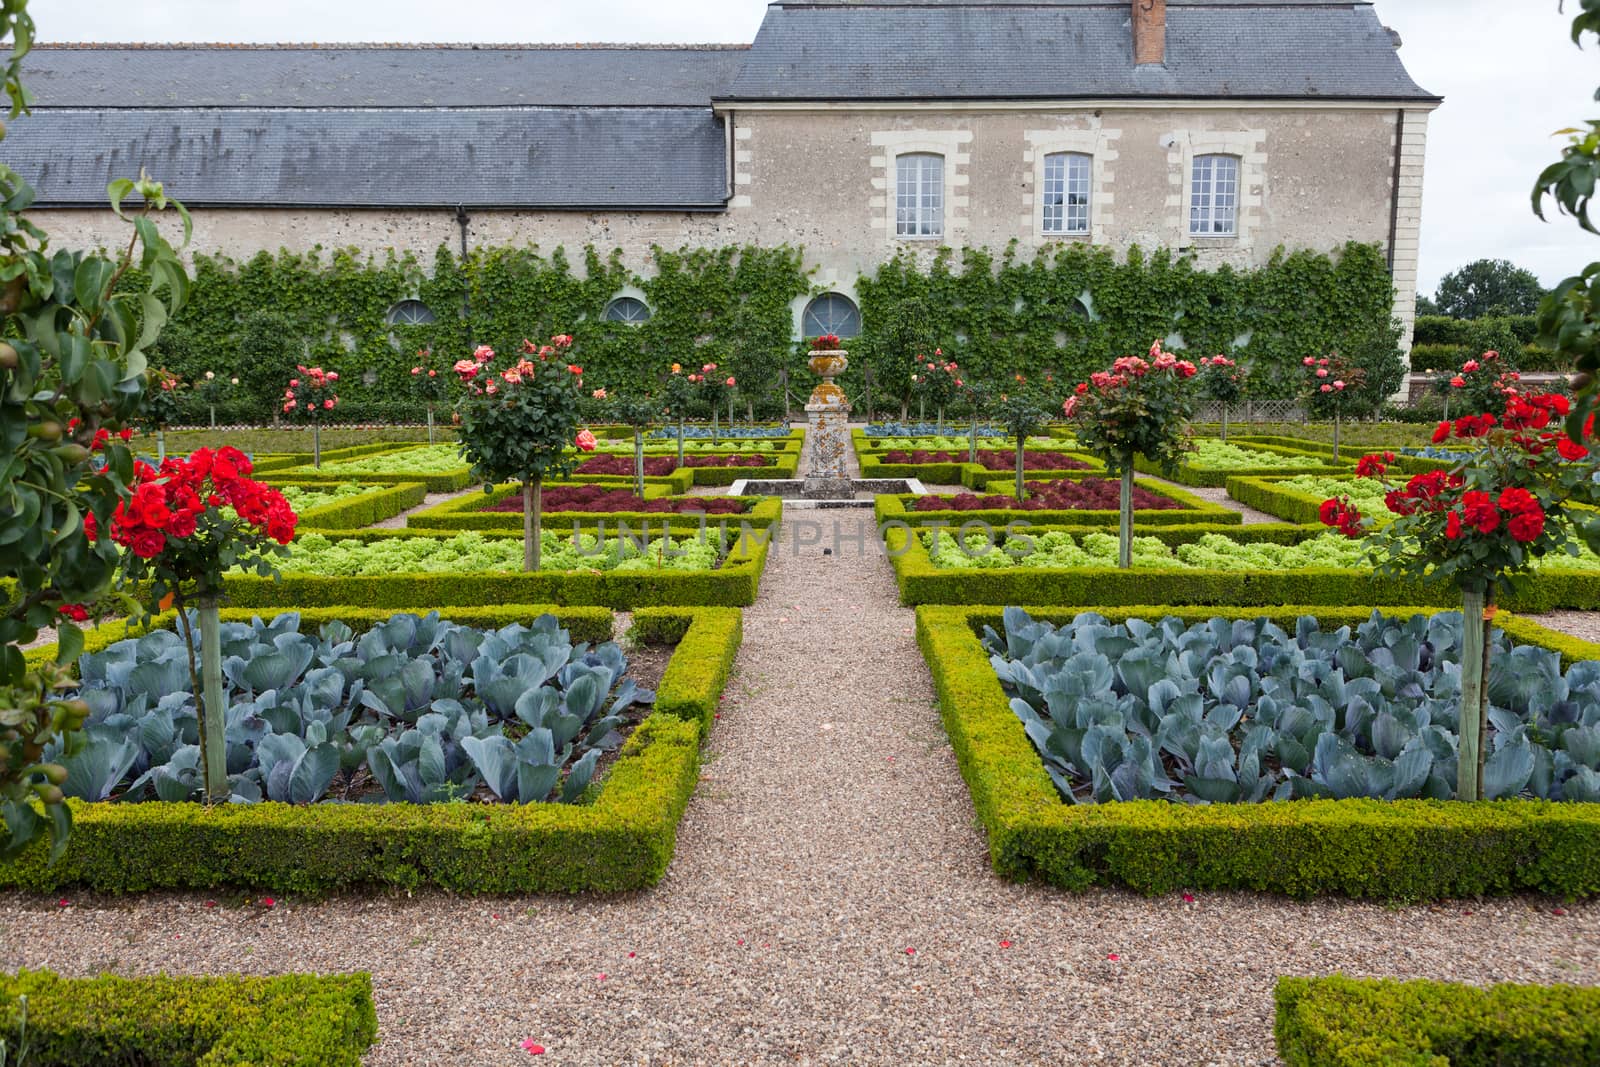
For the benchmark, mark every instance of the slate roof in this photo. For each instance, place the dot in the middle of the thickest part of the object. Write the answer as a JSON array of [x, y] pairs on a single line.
[[1070, 49], [592, 127], [575, 158]]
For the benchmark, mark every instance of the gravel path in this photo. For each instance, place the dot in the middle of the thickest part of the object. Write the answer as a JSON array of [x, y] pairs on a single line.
[[398, 522], [1584, 625], [830, 902]]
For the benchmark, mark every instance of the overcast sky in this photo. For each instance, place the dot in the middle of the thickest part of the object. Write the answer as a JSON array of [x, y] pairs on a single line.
[[1509, 75]]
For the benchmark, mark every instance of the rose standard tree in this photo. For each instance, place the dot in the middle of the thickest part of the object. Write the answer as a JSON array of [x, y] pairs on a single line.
[[1478, 527], [1330, 381], [429, 385], [159, 406], [311, 396], [640, 413], [1223, 382], [937, 382], [1022, 413], [1138, 407], [519, 424], [680, 393], [186, 526]]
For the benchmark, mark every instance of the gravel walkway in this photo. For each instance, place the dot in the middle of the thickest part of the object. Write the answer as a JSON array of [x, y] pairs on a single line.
[[830, 902], [1584, 625], [398, 522]]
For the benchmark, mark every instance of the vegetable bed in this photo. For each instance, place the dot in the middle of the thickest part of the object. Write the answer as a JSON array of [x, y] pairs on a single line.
[[440, 467], [588, 504], [1180, 507], [705, 470], [349, 506], [1408, 849], [1076, 494], [617, 835], [1214, 462]]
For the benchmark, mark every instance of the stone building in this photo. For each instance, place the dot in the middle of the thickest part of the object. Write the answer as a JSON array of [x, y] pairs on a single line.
[[1225, 128]]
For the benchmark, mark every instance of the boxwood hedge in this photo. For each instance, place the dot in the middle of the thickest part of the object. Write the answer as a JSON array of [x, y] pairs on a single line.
[[1184, 474], [1193, 509], [467, 513], [375, 505], [192, 1022], [1404, 850], [1354, 1022], [623, 839]]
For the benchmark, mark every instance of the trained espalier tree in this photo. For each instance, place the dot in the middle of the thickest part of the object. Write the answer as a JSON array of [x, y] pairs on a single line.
[[72, 371], [1477, 527], [1138, 407], [519, 424], [185, 527]]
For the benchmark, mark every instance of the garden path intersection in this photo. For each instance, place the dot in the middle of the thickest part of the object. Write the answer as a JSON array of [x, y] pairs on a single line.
[[830, 901]]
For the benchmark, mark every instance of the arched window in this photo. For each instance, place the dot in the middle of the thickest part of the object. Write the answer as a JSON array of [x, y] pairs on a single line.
[[1214, 196], [410, 313], [628, 309], [919, 195], [832, 313], [1066, 192]]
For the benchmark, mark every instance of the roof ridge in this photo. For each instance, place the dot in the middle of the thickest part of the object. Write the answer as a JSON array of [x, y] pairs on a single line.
[[378, 46]]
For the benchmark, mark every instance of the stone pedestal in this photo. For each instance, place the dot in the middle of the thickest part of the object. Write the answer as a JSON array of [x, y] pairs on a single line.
[[828, 432]]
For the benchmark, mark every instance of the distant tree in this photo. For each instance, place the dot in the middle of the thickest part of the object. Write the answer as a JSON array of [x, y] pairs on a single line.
[[270, 346], [1426, 306], [1489, 287]]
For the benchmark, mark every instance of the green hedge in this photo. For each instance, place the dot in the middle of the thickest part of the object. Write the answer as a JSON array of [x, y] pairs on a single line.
[[356, 511], [1216, 479], [921, 582], [1265, 494], [270, 463], [733, 584], [467, 513], [447, 482], [191, 1022], [1362, 1022], [1348, 454], [707, 640], [622, 840], [1402, 850], [677, 483], [891, 508], [971, 475]]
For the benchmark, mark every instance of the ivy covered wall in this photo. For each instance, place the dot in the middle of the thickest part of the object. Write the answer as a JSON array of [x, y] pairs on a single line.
[[1067, 311]]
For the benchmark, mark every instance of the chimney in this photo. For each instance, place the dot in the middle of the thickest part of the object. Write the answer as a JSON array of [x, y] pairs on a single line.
[[1149, 32]]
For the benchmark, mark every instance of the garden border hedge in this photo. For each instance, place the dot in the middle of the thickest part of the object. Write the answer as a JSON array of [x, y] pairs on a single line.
[[201, 1022], [921, 582], [971, 475], [1403, 850], [273, 462], [623, 839], [733, 584], [375, 505], [1339, 1021], [890, 507], [1184, 474], [464, 513], [1409, 464], [445, 482]]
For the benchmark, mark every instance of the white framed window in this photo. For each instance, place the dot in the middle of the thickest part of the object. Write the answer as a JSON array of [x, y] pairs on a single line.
[[1066, 192], [1214, 197], [919, 195]]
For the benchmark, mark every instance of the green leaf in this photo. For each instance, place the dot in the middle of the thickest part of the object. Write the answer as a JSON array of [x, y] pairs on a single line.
[[116, 192], [155, 317], [69, 642], [90, 282]]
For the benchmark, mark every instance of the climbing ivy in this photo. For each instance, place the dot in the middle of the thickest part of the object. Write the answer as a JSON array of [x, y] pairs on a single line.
[[1073, 309], [1068, 310]]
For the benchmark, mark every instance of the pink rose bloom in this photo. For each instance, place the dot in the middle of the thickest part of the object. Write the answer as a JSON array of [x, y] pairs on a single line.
[[416, 370], [1322, 372], [1186, 369], [294, 383], [1458, 382], [511, 375], [708, 368], [1338, 385], [599, 394], [327, 405], [1469, 366], [466, 368], [333, 376], [958, 383], [930, 366], [1070, 406], [585, 441], [491, 389], [289, 406], [433, 374], [1327, 388], [483, 354], [1309, 361], [1491, 356], [730, 381]]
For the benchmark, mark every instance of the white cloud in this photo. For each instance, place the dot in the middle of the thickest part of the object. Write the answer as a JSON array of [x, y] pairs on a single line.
[[1508, 73]]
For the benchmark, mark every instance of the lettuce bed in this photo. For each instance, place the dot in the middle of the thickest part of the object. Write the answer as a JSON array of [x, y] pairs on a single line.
[[341, 509], [1040, 464], [192, 1022], [472, 552], [472, 512], [732, 584], [1211, 551], [440, 467], [622, 840], [1355, 1022], [1216, 462], [1188, 509], [1403, 850]]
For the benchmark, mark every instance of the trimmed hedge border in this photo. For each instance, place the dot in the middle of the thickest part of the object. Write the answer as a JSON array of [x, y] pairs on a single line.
[[1402, 850], [466, 513], [273, 462], [622, 840], [446, 482], [921, 582], [734, 584], [890, 507], [193, 1022], [375, 505], [1363, 1022], [1264, 493], [1409, 464], [971, 475], [677, 483], [1201, 477]]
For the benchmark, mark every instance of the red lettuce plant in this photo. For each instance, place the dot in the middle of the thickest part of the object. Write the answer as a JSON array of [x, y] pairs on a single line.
[[599, 499], [1066, 494], [1481, 525], [1138, 407]]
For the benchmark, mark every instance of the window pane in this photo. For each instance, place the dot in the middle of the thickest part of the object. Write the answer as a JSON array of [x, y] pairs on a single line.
[[1054, 192], [1214, 196], [919, 195], [1077, 193]]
